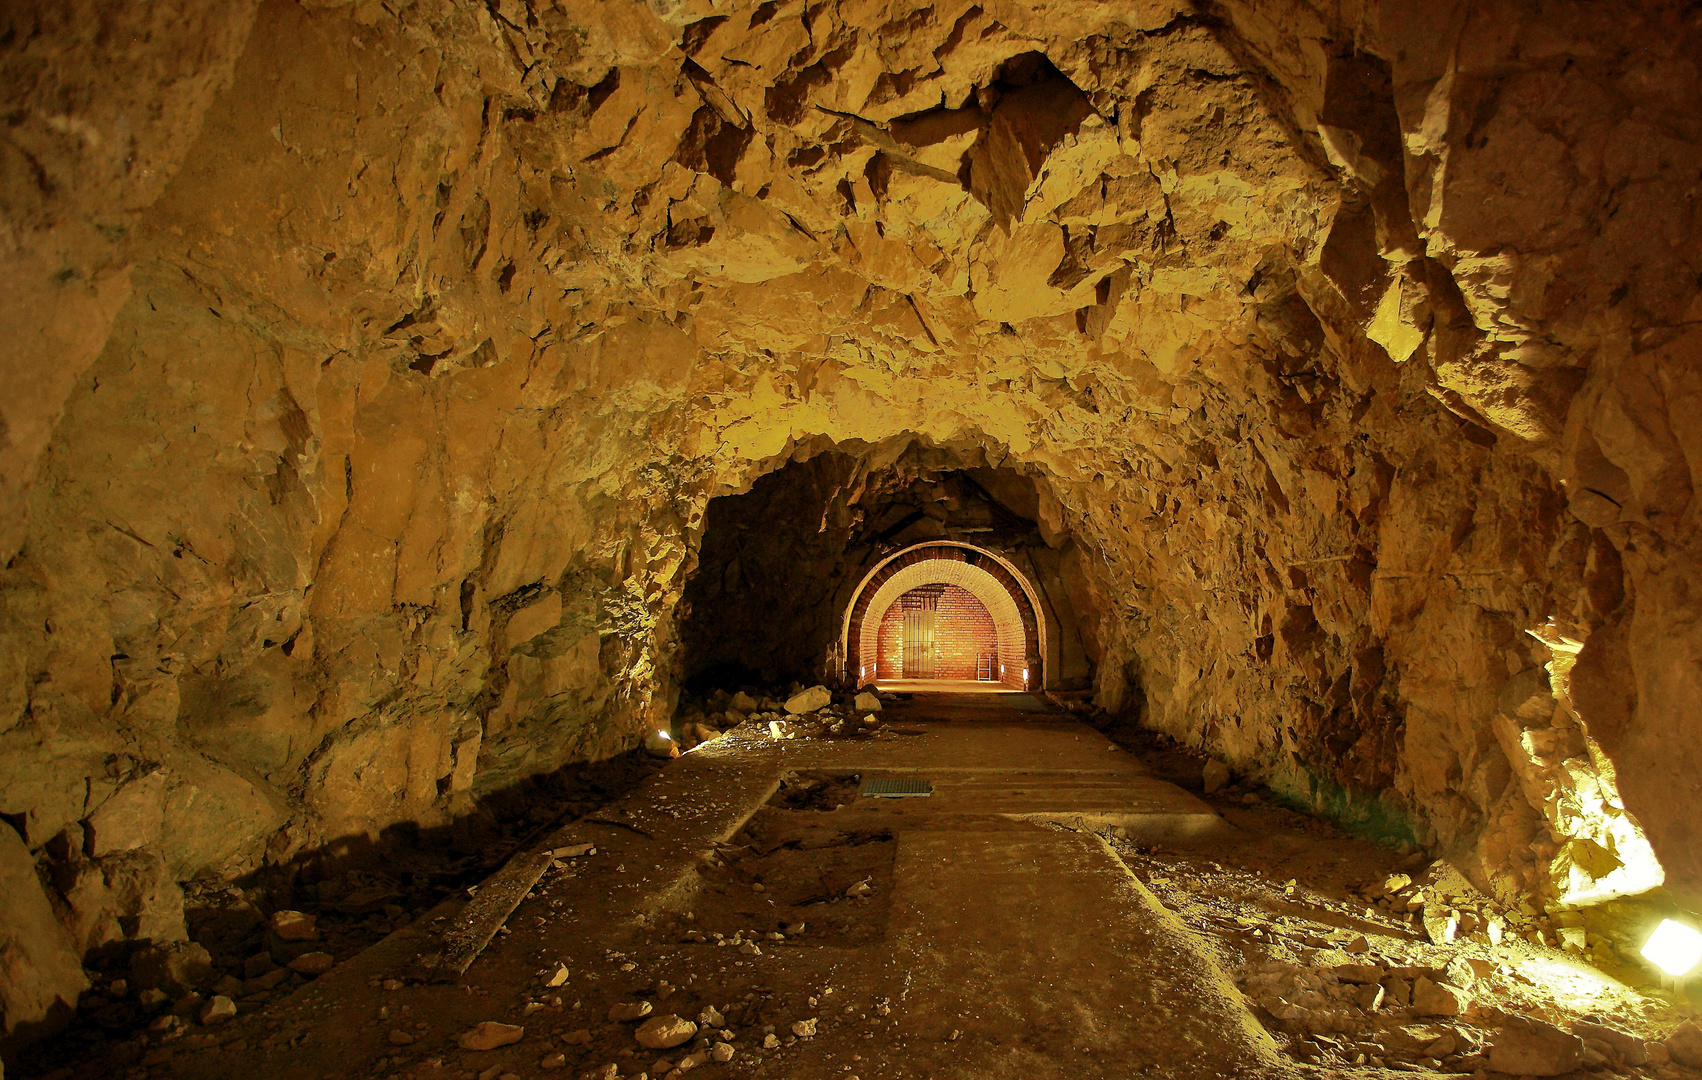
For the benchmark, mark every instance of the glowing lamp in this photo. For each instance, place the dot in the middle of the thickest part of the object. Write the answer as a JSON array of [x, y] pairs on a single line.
[[1025, 676], [1674, 948], [665, 737]]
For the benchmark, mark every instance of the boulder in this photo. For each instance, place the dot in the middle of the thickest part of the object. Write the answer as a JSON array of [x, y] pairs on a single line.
[[130, 818], [806, 701], [177, 968], [130, 896], [216, 820], [40, 974], [312, 964], [1214, 776], [867, 702], [217, 1010], [1527, 1047], [663, 1032], [1631, 1049], [1685, 1044], [660, 744], [743, 702], [295, 926]]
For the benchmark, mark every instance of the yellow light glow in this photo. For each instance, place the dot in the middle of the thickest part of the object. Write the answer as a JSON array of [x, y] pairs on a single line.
[[1674, 948]]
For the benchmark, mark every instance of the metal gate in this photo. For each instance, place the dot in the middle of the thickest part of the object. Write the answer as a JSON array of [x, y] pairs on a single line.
[[921, 616]]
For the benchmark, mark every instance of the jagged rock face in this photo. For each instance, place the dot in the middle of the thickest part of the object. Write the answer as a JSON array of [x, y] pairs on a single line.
[[369, 389]]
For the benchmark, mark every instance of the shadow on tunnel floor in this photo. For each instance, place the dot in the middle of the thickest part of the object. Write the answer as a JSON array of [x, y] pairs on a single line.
[[359, 890]]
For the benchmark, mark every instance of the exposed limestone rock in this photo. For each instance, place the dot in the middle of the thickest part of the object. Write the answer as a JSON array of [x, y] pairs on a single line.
[[41, 972], [809, 701], [1532, 1048], [369, 398]]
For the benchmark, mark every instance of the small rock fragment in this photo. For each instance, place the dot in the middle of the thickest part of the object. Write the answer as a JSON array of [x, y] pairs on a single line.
[[1400, 992], [295, 926], [312, 964], [400, 1038], [623, 1011], [1358, 946], [722, 1052], [557, 977], [1465, 971], [711, 1017], [553, 1061], [867, 702], [1442, 1047], [490, 1035], [664, 1032], [805, 1029], [217, 1010], [1437, 999], [1363, 974], [1370, 997], [1441, 926]]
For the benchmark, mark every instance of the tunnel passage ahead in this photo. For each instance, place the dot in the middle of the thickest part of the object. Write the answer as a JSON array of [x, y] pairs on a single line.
[[825, 568], [902, 584]]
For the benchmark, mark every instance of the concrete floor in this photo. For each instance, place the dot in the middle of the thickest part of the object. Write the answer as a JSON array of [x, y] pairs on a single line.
[[1012, 940], [944, 686]]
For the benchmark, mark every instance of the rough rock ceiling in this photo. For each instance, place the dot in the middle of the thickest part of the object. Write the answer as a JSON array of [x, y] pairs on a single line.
[[367, 393]]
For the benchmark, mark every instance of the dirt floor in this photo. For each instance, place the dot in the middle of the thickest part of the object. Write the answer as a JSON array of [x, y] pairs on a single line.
[[749, 901], [1304, 917]]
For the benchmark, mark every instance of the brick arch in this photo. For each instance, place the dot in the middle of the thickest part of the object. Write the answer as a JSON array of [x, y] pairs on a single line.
[[1008, 597]]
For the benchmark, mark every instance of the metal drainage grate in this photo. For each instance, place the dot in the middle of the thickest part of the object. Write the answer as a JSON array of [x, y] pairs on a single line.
[[897, 788]]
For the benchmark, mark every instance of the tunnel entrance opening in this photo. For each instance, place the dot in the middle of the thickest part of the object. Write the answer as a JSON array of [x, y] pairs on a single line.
[[943, 617], [1003, 602]]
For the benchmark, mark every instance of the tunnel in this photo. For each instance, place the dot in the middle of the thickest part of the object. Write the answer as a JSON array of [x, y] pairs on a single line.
[[626, 538], [944, 613]]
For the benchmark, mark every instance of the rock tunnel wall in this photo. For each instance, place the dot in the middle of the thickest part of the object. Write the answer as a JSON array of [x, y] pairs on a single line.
[[366, 396]]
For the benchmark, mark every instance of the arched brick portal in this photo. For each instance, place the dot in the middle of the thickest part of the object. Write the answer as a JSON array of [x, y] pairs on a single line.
[[1008, 598]]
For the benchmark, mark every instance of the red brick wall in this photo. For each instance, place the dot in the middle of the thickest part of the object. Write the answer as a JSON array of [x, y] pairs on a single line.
[[963, 633], [1019, 642]]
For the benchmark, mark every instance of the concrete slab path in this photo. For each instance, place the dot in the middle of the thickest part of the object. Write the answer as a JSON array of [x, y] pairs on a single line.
[[1014, 942]]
